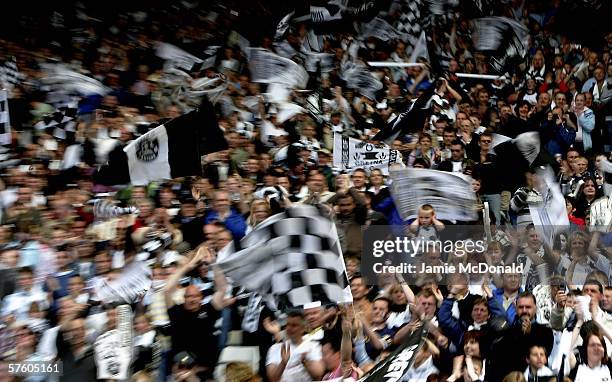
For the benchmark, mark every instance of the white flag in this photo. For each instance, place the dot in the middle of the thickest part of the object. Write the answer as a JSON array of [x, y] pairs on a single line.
[[420, 49], [148, 157], [550, 216]]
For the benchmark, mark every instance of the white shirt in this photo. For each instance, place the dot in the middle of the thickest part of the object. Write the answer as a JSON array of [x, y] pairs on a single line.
[[597, 374], [295, 370], [420, 374], [19, 302]]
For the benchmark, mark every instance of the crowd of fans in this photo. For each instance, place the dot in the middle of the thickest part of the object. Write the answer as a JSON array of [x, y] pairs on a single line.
[[64, 234]]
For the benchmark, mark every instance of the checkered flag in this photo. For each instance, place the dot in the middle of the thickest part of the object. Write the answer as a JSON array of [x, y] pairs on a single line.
[[293, 258], [9, 74], [410, 20], [61, 124], [5, 120]]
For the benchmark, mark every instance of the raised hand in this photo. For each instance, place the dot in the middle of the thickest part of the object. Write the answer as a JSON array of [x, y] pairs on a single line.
[[285, 353]]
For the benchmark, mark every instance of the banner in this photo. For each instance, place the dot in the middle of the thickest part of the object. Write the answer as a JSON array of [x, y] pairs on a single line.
[[267, 67], [450, 194], [550, 216], [113, 349], [352, 153], [396, 366]]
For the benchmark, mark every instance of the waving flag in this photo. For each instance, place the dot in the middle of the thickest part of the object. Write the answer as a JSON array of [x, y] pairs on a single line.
[[293, 258]]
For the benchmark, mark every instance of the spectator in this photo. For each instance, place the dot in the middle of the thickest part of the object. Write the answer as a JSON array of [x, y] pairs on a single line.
[[295, 359]]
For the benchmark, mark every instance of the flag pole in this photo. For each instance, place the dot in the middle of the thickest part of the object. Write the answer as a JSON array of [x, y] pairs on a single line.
[[481, 76], [392, 64]]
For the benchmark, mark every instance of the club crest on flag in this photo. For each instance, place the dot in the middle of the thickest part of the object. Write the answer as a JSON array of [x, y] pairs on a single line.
[[147, 149]]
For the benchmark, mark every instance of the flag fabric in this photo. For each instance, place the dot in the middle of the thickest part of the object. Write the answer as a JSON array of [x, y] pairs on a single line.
[[166, 152], [517, 156], [104, 209], [268, 67], [5, 119], [410, 20], [129, 287], [293, 259], [178, 58], [283, 26], [411, 120], [398, 365], [359, 78], [9, 73], [327, 16], [62, 80], [420, 49], [61, 124], [601, 214], [382, 30], [113, 348], [606, 167], [550, 216], [504, 39], [352, 153], [171, 150], [450, 194]]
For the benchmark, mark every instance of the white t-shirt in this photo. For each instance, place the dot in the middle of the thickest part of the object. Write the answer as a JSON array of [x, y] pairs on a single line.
[[597, 374], [295, 370]]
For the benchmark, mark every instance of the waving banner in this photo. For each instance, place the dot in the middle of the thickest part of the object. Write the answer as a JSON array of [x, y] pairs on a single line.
[[351, 153], [450, 194], [399, 365]]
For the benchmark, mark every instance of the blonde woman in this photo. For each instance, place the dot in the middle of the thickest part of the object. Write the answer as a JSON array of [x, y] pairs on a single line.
[[260, 211]]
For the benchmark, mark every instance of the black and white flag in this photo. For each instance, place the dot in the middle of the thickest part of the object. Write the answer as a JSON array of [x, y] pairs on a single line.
[[450, 194], [293, 258], [504, 39], [267, 67], [9, 73], [328, 16], [398, 366], [5, 119], [61, 124], [171, 150], [382, 30], [129, 287], [352, 153], [411, 120], [113, 348], [410, 21], [362, 80], [166, 152]]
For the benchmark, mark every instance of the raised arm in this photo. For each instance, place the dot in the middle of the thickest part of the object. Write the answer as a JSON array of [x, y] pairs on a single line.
[[173, 280], [219, 301]]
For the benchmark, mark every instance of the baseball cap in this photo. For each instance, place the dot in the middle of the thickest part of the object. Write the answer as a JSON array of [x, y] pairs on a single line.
[[184, 359]]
